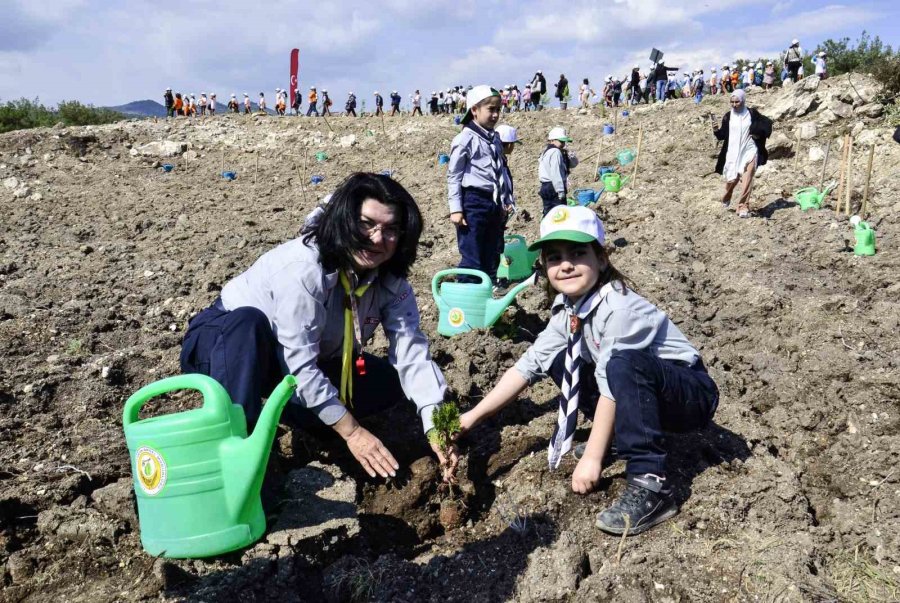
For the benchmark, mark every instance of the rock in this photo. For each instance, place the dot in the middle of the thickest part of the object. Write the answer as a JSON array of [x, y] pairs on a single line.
[[807, 84], [133, 152], [11, 183], [816, 154], [840, 109], [553, 572], [872, 110], [37, 197], [870, 137], [858, 127], [117, 499], [190, 155], [163, 148], [806, 130], [79, 526], [858, 90], [319, 514], [804, 104], [20, 566], [827, 117], [779, 146], [21, 193], [347, 141]]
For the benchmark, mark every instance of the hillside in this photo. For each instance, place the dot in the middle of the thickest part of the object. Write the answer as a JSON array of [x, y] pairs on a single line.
[[792, 495]]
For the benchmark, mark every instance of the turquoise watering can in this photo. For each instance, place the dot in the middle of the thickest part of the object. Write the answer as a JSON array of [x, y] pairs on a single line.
[[516, 262], [197, 476], [613, 182], [865, 237], [625, 157], [467, 306]]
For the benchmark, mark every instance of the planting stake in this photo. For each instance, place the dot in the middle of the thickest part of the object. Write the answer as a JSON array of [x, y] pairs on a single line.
[[223, 161], [843, 169], [637, 156], [327, 124], [797, 152], [824, 164], [597, 163], [849, 176], [616, 122], [256, 171], [865, 201]]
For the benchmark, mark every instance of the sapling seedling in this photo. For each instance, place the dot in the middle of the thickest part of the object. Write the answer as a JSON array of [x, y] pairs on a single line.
[[446, 426]]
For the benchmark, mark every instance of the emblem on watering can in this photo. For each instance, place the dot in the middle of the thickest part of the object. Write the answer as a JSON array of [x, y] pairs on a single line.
[[151, 470]]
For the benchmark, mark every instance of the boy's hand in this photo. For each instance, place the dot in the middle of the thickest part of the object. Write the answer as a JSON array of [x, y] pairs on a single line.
[[458, 219], [586, 475]]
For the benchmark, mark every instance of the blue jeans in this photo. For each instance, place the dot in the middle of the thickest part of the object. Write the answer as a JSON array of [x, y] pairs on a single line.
[[481, 238], [661, 87], [239, 350], [549, 197], [652, 396]]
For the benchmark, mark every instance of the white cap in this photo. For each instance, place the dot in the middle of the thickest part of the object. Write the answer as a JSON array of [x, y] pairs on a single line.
[[507, 133], [312, 87], [822, 54], [232, 95], [559, 133], [168, 88], [636, 67], [351, 92], [540, 72], [795, 41], [725, 66], [393, 92], [575, 224], [713, 69], [475, 96], [433, 93], [245, 94], [325, 90], [376, 92]]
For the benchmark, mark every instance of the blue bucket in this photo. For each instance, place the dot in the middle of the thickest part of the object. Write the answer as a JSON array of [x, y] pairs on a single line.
[[585, 196], [608, 129], [388, 173], [317, 179], [457, 120], [443, 159], [229, 175], [167, 167], [605, 169], [624, 113]]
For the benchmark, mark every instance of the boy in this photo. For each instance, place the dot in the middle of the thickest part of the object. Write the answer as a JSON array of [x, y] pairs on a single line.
[[379, 104], [554, 167], [395, 103], [479, 193], [313, 99]]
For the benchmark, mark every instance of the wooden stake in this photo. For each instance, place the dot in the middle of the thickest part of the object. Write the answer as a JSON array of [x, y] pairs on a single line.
[[824, 165], [597, 164], [616, 122], [849, 176], [797, 152], [843, 168], [223, 162], [256, 172], [327, 124], [637, 157], [865, 202], [383, 129]]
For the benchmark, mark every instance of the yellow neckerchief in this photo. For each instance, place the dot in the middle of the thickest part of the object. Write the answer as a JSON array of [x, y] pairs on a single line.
[[346, 392]]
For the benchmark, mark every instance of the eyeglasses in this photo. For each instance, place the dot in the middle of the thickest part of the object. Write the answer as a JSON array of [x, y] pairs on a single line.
[[389, 232]]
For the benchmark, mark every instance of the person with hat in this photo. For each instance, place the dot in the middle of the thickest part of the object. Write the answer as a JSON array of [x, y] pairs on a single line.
[[746, 78], [395, 103], [697, 85], [312, 98], [793, 59], [538, 89], [758, 75], [554, 166], [417, 103], [744, 132], [280, 101], [634, 85], [298, 100], [232, 103], [713, 81], [261, 103], [211, 107], [350, 106], [247, 105], [178, 105], [326, 103], [169, 102], [618, 359], [725, 80], [433, 107], [821, 68], [479, 194], [379, 104], [526, 97], [769, 76], [735, 78]]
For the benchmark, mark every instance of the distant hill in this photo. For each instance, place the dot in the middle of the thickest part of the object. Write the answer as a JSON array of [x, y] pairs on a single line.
[[151, 108]]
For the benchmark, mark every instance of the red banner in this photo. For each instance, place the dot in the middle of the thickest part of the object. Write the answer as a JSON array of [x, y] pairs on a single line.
[[295, 66]]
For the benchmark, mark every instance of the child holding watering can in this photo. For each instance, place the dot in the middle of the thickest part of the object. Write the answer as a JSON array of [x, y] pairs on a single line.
[[554, 167], [479, 192], [619, 359], [309, 306]]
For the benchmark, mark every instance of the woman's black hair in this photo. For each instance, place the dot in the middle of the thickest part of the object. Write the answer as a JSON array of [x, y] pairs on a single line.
[[610, 275], [586, 81], [338, 233]]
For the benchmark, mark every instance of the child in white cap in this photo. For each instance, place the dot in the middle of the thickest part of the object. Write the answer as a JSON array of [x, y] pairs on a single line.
[[480, 196], [621, 361], [246, 104], [553, 169], [232, 103], [821, 68]]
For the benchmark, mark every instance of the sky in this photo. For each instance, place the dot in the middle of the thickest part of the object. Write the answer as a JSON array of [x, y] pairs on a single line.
[[109, 53]]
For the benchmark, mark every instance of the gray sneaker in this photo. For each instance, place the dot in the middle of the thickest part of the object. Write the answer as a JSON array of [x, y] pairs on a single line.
[[647, 501]]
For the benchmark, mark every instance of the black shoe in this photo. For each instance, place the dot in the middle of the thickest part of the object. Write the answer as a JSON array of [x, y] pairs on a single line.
[[646, 502]]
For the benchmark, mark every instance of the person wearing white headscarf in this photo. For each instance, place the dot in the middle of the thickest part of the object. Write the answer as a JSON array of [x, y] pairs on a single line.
[[744, 132]]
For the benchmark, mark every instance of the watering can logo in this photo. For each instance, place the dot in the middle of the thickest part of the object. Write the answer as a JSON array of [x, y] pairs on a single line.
[[466, 306], [197, 475], [152, 471], [613, 182]]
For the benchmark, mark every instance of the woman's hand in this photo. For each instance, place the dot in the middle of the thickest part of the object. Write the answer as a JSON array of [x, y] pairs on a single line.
[[586, 475], [366, 448], [458, 218]]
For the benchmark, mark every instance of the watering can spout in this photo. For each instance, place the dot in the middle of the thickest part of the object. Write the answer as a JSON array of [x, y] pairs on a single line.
[[244, 459], [495, 307]]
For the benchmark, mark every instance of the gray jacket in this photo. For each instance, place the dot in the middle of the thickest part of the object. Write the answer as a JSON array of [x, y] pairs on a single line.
[[551, 168], [304, 305], [618, 320], [470, 166]]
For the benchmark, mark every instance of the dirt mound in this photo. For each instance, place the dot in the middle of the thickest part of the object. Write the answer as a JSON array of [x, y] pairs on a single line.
[[792, 494]]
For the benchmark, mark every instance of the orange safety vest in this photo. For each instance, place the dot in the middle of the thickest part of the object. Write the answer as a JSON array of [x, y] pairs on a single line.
[[313, 97]]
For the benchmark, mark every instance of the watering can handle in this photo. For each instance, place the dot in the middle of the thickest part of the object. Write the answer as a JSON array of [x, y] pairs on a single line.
[[514, 237], [450, 272], [215, 398]]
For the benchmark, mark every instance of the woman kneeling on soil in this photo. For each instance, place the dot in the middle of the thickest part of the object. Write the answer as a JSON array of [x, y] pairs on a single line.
[[620, 360], [745, 132], [309, 306]]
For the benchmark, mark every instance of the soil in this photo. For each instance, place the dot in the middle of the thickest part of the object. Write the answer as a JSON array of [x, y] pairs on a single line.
[[791, 495]]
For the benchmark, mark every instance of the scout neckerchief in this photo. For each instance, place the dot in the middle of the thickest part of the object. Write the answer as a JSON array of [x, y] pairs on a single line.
[[502, 194], [567, 420], [352, 334]]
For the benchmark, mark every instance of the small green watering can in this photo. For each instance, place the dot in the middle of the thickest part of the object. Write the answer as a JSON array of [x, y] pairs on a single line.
[[625, 157], [197, 475], [516, 262], [613, 182], [321, 156], [467, 306], [810, 198], [865, 237]]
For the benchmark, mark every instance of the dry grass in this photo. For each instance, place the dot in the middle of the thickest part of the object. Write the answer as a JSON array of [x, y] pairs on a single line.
[[857, 577]]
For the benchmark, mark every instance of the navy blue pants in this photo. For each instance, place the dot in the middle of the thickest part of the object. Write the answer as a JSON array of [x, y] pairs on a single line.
[[239, 350], [652, 396], [549, 197], [481, 239]]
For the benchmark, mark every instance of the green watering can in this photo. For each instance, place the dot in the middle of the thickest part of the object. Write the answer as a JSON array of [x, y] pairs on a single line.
[[516, 262], [865, 237], [197, 475], [321, 156], [625, 157], [613, 182], [810, 197], [467, 306]]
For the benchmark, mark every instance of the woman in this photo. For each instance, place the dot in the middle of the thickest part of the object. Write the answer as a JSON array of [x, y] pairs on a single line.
[[586, 94], [769, 76], [744, 132], [309, 306]]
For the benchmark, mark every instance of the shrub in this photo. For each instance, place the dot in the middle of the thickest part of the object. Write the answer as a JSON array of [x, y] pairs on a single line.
[[23, 114]]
